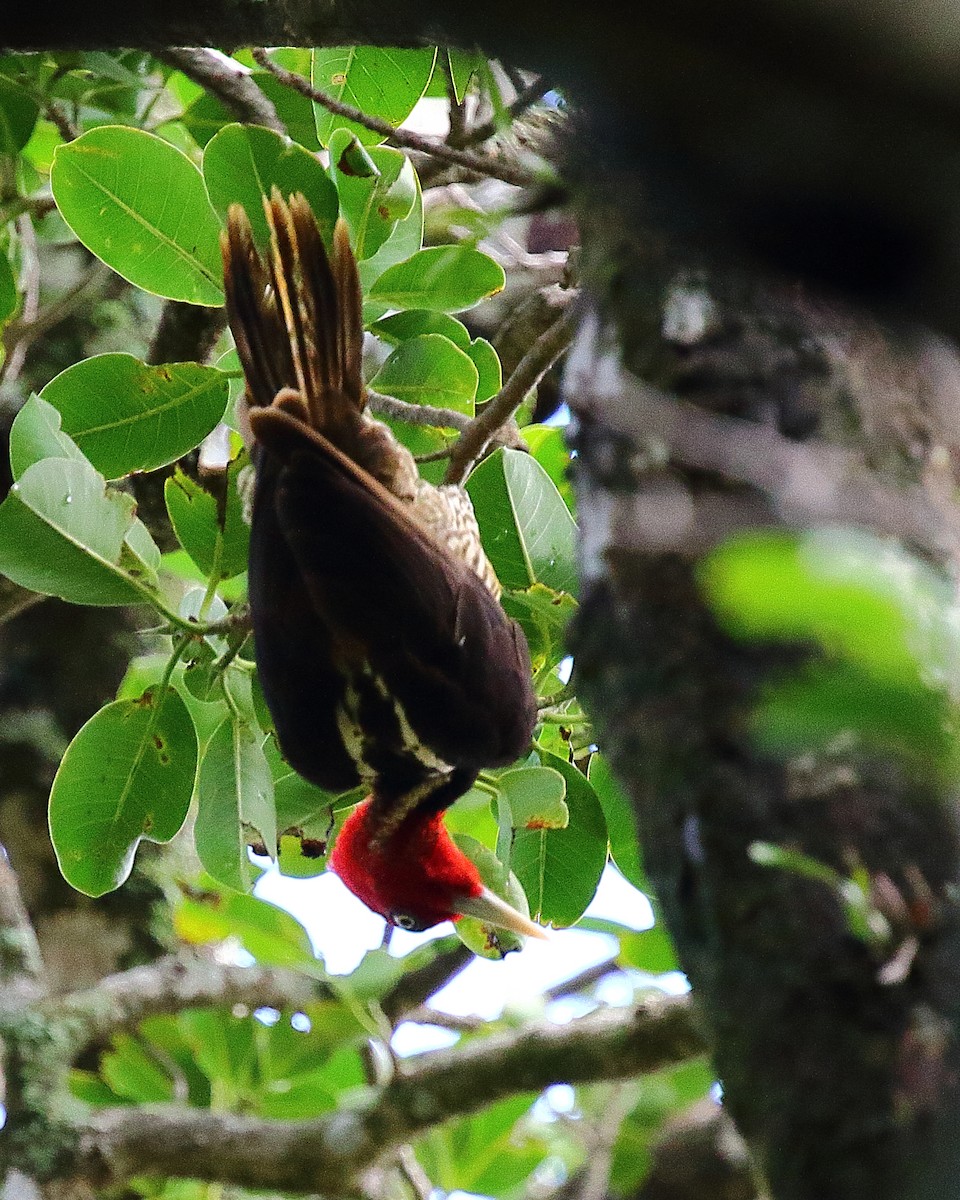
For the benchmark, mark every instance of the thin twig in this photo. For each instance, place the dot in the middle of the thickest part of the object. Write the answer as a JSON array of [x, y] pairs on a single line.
[[24, 332], [417, 414], [226, 80], [495, 168], [500, 408], [21, 964], [528, 95], [30, 280]]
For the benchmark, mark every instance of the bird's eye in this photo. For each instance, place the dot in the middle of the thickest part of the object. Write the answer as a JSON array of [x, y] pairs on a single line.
[[405, 921]]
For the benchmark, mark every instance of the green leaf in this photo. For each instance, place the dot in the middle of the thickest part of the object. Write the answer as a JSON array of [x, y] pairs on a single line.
[[543, 615], [489, 371], [526, 529], [560, 868], [489, 941], [140, 205], [548, 445], [489, 1154], [649, 950], [381, 82], [405, 239], [198, 517], [243, 163], [535, 796], [429, 370], [36, 434], [464, 64], [126, 416], [621, 822], [270, 934], [371, 204], [63, 533], [442, 278], [18, 116], [400, 326], [853, 593], [127, 775], [886, 625], [235, 795], [133, 1073]]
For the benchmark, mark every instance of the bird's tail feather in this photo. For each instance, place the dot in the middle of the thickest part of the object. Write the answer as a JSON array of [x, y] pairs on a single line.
[[296, 314]]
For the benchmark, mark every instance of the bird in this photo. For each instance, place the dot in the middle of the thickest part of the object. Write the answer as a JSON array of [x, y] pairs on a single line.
[[384, 654]]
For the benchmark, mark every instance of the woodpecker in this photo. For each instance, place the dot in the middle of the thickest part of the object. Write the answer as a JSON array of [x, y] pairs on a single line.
[[384, 654]]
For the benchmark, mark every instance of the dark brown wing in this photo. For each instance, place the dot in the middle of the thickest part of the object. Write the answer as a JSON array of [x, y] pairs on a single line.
[[420, 621], [301, 686]]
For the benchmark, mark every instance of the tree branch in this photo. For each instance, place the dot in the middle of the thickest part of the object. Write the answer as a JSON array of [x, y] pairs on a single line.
[[170, 985], [481, 431], [805, 481], [324, 1155], [494, 168], [226, 80]]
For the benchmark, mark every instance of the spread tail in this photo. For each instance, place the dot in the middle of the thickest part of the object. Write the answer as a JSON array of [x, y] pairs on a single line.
[[296, 313]]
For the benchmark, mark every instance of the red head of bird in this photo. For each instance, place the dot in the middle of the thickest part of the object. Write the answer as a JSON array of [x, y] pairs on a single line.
[[417, 877]]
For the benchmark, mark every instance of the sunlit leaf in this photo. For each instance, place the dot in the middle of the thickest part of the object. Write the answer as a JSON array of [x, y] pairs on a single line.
[[535, 796], [415, 322], [443, 278], [375, 193], [384, 82], [430, 370], [560, 868], [140, 205], [489, 371], [269, 933], [127, 416], [243, 163], [37, 433], [621, 822], [489, 941], [62, 533]]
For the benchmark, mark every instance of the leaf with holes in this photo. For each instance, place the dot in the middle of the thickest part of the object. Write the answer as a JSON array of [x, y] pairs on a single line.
[[139, 204], [199, 518], [127, 775], [126, 416], [235, 804]]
